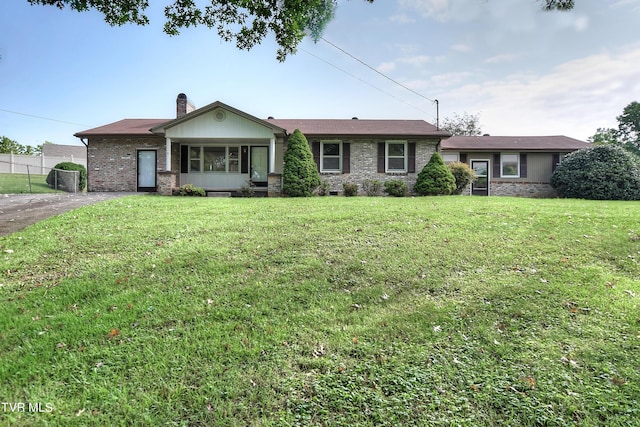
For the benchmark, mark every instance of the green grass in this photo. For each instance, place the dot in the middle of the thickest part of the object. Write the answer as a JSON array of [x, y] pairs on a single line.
[[14, 183], [324, 311]]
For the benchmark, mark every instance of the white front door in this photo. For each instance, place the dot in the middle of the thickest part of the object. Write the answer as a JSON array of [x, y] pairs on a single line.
[[147, 170]]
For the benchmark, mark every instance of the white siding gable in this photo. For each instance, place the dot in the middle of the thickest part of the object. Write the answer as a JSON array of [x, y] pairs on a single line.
[[219, 123]]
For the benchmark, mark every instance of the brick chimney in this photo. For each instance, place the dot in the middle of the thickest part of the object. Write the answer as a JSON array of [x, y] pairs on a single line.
[[183, 105]]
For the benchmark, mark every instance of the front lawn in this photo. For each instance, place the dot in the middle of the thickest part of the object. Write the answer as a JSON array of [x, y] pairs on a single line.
[[323, 311], [15, 183]]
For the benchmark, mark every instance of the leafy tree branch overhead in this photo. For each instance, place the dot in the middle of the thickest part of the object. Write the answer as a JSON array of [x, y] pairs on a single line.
[[245, 22]]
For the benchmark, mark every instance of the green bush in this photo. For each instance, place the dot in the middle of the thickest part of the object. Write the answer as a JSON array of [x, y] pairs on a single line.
[[435, 178], [191, 190], [350, 189], [324, 188], [604, 172], [396, 187], [463, 175], [247, 189], [372, 187], [69, 166], [300, 175]]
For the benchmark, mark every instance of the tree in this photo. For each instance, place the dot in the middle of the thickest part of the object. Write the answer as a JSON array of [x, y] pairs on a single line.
[[435, 179], [602, 172], [10, 146], [604, 136], [629, 127], [462, 125], [300, 174], [247, 22], [627, 135]]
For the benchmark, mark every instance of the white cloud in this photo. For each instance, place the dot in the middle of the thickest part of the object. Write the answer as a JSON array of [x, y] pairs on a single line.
[[402, 18], [460, 47], [581, 23], [417, 60], [386, 67], [574, 99], [497, 59], [436, 9]]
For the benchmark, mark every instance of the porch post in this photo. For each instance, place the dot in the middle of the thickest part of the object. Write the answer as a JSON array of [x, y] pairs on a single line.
[[272, 154], [167, 164]]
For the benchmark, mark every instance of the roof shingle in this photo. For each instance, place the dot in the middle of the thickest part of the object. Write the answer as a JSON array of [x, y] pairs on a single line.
[[514, 143]]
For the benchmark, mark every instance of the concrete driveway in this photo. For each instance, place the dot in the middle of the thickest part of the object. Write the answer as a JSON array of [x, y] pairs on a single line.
[[17, 211]]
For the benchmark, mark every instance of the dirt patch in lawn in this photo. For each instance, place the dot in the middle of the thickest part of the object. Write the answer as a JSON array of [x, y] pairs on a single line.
[[18, 211]]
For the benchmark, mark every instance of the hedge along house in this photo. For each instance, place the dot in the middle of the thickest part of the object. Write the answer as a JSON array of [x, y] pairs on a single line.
[[508, 165], [221, 149]]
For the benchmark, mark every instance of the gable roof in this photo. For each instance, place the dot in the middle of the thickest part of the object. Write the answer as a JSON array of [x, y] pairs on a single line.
[[161, 128], [512, 143], [124, 127], [353, 127]]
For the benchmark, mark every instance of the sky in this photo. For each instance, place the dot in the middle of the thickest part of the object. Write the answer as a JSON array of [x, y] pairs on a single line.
[[521, 70]]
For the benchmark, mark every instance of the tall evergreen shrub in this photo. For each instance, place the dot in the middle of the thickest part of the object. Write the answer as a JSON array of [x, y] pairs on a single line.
[[300, 175], [435, 178]]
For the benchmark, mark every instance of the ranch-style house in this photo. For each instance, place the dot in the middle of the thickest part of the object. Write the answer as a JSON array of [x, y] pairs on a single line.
[[222, 149]]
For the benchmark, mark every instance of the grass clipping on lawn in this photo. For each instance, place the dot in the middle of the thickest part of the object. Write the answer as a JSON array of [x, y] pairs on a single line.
[[324, 311]]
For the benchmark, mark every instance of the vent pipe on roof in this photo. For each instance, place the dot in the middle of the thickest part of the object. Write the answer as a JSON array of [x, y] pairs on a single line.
[[354, 118], [183, 105], [270, 118]]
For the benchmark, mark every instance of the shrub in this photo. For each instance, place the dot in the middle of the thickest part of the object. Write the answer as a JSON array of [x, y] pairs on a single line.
[[396, 187], [323, 189], [191, 190], [605, 172], [435, 178], [463, 175], [372, 187], [300, 174], [247, 190], [69, 166], [350, 189]]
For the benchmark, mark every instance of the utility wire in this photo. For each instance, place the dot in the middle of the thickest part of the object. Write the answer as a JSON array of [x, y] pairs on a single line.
[[373, 69], [44, 118], [363, 81]]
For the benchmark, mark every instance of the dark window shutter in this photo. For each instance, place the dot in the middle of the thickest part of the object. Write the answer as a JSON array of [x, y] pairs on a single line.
[[315, 149], [523, 165], [184, 159], [244, 159], [381, 147], [412, 157], [555, 159], [346, 157], [496, 165], [463, 157]]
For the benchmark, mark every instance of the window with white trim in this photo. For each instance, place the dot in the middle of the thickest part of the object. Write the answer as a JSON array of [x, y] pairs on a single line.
[[396, 156], [510, 165], [214, 159], [330, 156]]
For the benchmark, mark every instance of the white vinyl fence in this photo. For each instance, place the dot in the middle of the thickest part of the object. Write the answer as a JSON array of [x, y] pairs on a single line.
[[37, 165]]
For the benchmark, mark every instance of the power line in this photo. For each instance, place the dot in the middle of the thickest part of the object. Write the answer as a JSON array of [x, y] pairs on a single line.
[[363, 81], [44, 118], [379, 72]]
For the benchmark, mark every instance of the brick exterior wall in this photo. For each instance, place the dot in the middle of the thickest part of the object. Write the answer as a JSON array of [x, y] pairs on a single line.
[[522, 189], [112, 162], [364, 164]]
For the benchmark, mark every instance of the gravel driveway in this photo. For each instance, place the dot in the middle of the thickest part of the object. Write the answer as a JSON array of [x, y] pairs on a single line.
[[20, 210]]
